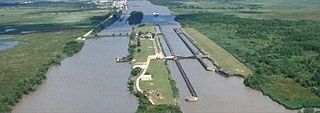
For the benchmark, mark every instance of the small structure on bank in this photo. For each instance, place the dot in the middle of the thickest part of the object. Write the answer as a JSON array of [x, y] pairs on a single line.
[[147, 35], [120, 4], [146, 77], [192, 99], [223, 72]]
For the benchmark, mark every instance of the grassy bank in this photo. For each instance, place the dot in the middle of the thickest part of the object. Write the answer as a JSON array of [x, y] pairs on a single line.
[[143, 51], [220, 56], [55, 29], [160, 83], [258, 9], [166, 105]]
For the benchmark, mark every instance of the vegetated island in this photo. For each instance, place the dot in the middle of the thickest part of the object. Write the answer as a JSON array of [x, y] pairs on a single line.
[[151, 79]]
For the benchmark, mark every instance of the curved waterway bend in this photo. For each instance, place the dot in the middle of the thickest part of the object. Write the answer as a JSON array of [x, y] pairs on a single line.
[[90, 81], [216, 93]]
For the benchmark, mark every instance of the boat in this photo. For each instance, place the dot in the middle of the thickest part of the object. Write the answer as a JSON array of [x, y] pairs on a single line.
[[155, 14], [121, 59]]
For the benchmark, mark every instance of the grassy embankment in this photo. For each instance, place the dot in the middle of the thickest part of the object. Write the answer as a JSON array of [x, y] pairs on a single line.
[[220, 56], [282, 54], [263, 9], [143, 28], [56, 27], [145, 49], [160, 83], [162, 88]]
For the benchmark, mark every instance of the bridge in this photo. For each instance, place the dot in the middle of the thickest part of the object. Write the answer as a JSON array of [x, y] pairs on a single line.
[[181, 57], [114, 35], [182, 36]]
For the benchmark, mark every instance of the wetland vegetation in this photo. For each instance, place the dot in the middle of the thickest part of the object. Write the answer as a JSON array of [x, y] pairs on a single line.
[[55, 27]]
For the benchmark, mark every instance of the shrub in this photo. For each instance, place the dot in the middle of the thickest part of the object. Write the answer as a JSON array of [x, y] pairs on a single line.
[[135, 17], [72, 47], [135, 71], [138, 50]]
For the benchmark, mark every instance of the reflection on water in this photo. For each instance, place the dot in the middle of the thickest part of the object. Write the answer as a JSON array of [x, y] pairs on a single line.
[[90, 81]]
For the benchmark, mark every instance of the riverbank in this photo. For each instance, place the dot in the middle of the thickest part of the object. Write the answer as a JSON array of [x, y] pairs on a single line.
[[24, 67], [27, 64], [220, 57]]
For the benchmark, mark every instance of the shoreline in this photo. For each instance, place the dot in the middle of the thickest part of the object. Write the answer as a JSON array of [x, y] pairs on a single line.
[[71, 48]]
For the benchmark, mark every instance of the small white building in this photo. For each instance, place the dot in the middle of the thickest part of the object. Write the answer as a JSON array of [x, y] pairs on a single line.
[[104, 3], [121, 4], [147, 35], [146, 77]]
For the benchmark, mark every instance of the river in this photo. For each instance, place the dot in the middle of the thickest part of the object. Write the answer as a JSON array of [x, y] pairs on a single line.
[[91, 81]]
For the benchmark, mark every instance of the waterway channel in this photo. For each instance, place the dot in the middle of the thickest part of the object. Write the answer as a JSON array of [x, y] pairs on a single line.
[[91, 81]]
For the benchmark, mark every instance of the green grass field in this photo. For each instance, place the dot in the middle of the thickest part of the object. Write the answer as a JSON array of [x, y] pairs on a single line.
[[289, 93], [146, 50], [48, 19], [160, 82], [46, 16], [259, 9], [220, 56], [145, 28], [22, 68], [146, 47]]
